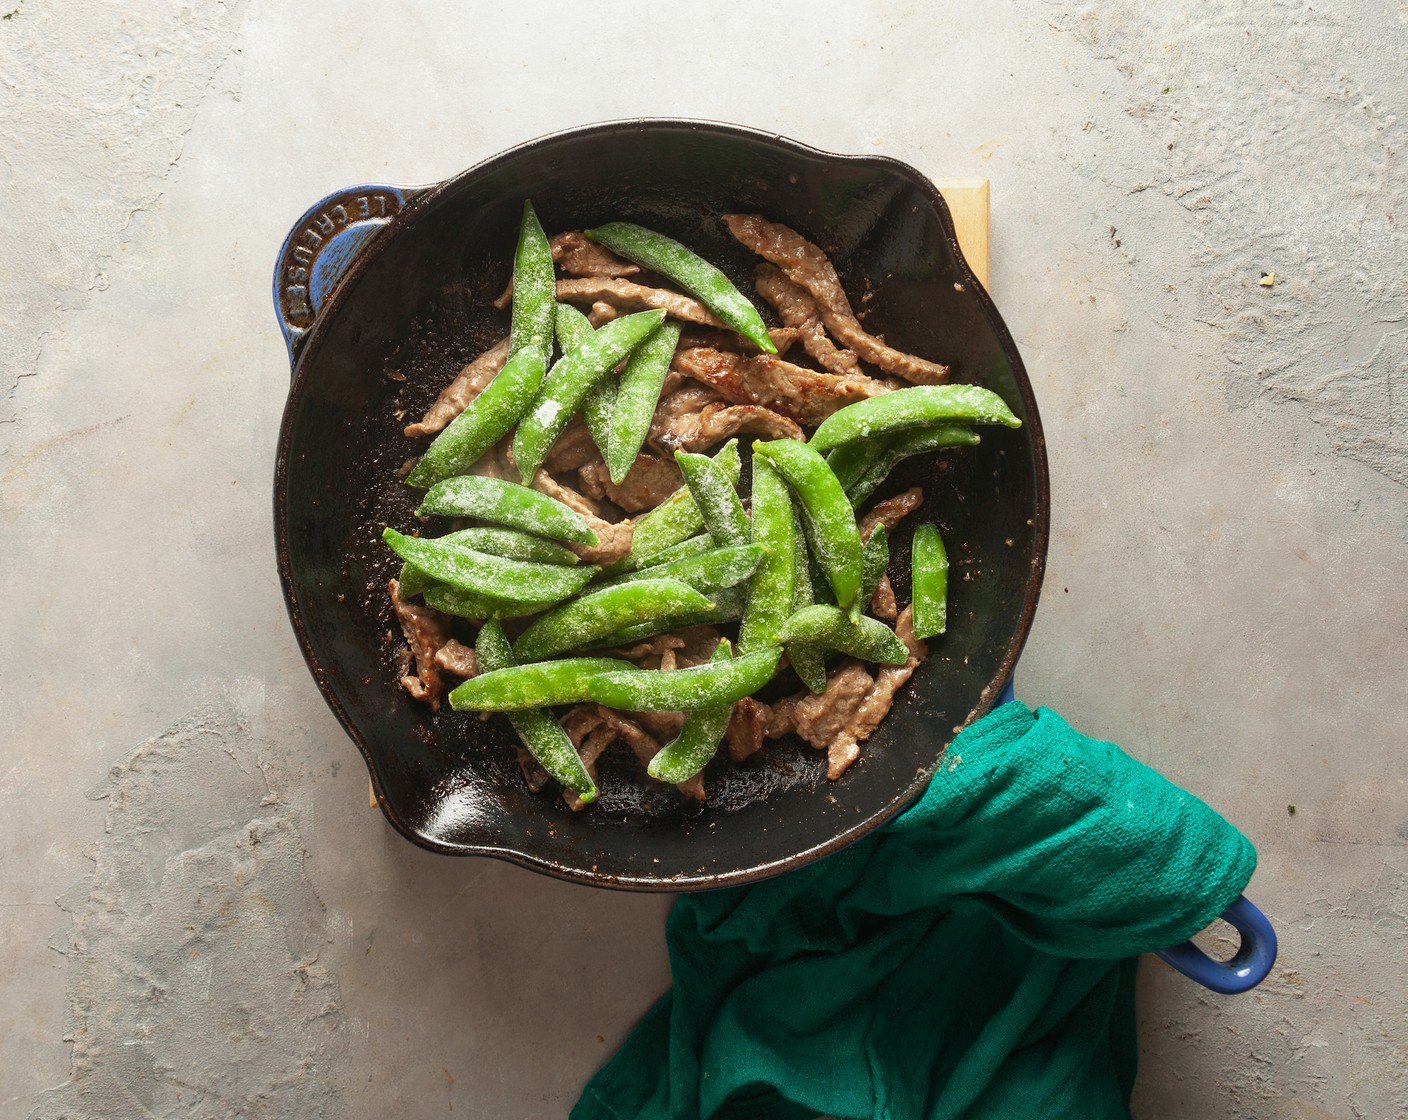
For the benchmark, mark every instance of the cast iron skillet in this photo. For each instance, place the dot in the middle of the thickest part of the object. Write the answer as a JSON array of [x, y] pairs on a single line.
[[383, 293]]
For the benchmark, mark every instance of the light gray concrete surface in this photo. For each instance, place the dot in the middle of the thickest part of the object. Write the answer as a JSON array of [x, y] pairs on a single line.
[[237, 934]]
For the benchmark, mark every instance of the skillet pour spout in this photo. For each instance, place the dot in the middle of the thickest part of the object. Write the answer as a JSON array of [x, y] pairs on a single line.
[[383, 293]]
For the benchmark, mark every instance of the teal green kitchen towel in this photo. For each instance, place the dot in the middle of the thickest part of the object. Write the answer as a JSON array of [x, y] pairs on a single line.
[[974, 958]]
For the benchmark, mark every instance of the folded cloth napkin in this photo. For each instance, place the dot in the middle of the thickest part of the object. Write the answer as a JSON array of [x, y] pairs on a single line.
[[974, 958]]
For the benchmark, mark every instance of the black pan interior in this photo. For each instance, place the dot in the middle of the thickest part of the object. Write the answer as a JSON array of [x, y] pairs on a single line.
[[416, 305]]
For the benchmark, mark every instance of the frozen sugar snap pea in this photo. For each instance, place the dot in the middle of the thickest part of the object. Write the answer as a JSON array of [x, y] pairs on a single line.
[[479, 572], [691, 272], [827, 514], [911, 408], [569, 381], [541, 734], [698, 741], [505, 503], [603, 612]]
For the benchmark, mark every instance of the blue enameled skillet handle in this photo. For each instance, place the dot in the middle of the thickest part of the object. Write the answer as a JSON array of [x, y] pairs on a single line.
[[321, 247], [1254, 957], [1248, 967]]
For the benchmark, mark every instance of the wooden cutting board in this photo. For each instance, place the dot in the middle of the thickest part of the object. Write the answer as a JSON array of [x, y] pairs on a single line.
[[968, 202]]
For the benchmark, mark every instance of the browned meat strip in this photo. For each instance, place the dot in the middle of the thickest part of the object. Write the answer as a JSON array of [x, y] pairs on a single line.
[[663, 725], [882, 603], [700, 642], [798, 311], [848, 712], [651, 654], [822, 717], [891, 511], [457, 658], [701, 427], [842, 751], [572, 448], [601, 313], [468, 385], [645, 747], [626, 295], [576, 255], [648, 483], [782, 338], [613, 538], [746, 727], [806, 265], [533, 773], [806, 395], [592, 748], [425, 632]]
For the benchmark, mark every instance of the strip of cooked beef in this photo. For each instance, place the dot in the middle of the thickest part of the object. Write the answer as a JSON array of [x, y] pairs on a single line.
[[534, 775], [613, 537], [806, 265], [806, 395], [715, 339], [645, 747], [426, 631], [650, 654], [746, 727], [573, 448], [848, 712], [891, 512], [457, 658], [592, 747], [694, 418], [626, 295], [463, 389], [576, 255], [600, 313], [798, 310], [663, 725], [882, 603], [648, 483]]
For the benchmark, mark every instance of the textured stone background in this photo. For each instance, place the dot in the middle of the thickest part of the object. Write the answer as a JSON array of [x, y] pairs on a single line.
[[236, 934]]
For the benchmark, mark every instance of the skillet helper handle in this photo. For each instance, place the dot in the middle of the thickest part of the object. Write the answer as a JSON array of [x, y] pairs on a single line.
[[1248, 967], [321, 247], [1252, 962]]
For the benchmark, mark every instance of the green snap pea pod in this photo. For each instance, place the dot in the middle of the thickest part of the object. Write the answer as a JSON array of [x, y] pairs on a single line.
[[677, 518], [698, 741], [534, 291], [474, 605], [569, 381], [774, 583], [487, 419], [483, 574], [636, 398], [822, 627], [571, 326], [604, 612], [862, 466], [715, 498], [508, 543], [691, 547], [874, 559], [929, 580], [827, 514], [507, 503], [807, 662], [542, 684], [705, 572], [728, 607], [685, 690], [541, 734], [691, 272], [911, 408]]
